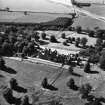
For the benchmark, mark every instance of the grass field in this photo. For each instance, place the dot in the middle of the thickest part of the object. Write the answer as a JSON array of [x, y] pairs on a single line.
[[30, 75], [71, 47], [86, 21]]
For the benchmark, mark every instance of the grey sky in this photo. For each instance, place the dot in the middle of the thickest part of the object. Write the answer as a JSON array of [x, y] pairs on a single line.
[[35, 5]]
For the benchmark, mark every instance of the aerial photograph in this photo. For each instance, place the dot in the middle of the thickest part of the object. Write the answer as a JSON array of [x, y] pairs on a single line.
[[52, 52]]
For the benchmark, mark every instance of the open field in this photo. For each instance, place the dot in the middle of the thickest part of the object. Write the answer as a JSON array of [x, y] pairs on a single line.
[[30, 75], [31, 18], [38, 17], [86, 21]]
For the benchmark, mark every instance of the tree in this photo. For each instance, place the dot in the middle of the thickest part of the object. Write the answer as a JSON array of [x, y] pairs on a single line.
[[99, 42], [12, 39], [70, 69], [69, 40], [2, 62], [98, 49], [78, 29], [77, 42], [1, 40], [24, 51], [7, 9], [102, 61], [65, 43], [25, 12], [19, 38], [103, 45], [78, 39], [36, 36], [73, 38], [87, 67], [63, 35], [53, 39], [43, 35], [94, 58], [28, 37], [71, 84], [91, 33], [6, 49], [70, 28], [99, 34], [85, 89], [84, 41]]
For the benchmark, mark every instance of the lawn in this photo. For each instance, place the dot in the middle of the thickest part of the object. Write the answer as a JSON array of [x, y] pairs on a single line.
[[70, 48]]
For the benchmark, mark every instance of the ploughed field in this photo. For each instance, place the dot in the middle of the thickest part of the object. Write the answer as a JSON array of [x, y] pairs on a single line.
[[30, 75]]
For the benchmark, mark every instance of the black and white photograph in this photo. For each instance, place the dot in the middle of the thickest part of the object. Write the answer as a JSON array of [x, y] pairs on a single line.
[[52, 52]]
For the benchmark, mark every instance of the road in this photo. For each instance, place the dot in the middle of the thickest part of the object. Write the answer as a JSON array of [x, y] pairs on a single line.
[[92, 15]]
